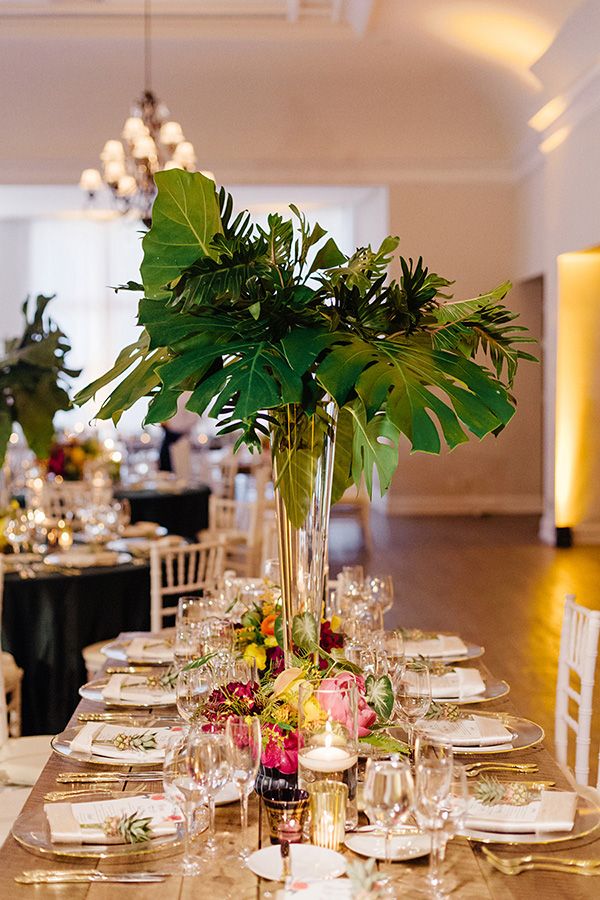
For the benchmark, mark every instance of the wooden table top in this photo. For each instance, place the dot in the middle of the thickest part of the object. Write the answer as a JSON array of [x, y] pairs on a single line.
[[475, 879]]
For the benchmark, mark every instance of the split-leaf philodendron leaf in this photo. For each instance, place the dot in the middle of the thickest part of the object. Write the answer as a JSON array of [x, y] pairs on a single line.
[[264, 324]]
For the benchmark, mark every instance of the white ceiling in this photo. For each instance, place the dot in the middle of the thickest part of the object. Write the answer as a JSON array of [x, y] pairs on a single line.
[[278, 90]]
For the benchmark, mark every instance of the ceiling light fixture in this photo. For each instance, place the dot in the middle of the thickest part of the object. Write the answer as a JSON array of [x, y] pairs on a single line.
[[150, 142]]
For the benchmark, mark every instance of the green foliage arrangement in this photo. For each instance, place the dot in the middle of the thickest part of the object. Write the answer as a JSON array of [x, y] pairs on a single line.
[[33, 384], [262, 325]]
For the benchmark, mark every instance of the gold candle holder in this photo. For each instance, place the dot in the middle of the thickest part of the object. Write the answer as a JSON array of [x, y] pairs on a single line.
[[328, 801]]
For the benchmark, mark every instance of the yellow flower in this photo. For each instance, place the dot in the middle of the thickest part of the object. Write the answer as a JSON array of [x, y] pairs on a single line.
[[271, 641], [255, 652], [336, 623]]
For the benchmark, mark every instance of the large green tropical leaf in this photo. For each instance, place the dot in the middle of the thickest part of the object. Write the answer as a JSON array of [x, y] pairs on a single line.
[[375, 445], [342, 465], [126, 358], [185, 218]]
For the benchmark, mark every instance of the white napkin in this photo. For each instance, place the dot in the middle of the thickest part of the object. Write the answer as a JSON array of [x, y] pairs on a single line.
[[436, 648], [457, 683], [473, 731], [80, 559], [89, 737], [151, 647], [133, 689], [66, 819], [554, 811], [141, 529]]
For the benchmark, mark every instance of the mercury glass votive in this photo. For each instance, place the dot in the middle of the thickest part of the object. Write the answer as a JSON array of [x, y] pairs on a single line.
[[328, 800]]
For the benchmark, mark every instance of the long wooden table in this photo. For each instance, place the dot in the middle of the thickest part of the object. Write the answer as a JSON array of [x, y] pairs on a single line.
[[465, 864]]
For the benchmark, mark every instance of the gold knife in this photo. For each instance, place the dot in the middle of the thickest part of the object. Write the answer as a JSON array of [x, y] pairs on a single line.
[[106, 777]]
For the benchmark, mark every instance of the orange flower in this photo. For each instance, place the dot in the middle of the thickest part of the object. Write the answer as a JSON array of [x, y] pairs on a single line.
[[268, 625]]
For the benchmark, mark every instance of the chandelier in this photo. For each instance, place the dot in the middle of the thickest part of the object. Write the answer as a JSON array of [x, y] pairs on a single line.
[[150, 142]]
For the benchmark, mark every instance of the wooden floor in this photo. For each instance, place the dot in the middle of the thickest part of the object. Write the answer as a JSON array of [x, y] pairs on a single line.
[[490, 580]]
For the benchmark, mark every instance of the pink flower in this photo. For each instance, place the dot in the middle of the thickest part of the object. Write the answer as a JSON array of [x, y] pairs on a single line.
[[335, 701], [281, 749]]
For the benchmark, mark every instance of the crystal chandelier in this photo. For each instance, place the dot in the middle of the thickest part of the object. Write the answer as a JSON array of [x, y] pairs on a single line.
[[150, 142]]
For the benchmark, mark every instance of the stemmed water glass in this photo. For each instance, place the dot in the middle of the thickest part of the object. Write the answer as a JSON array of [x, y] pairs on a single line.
[[433, 774], [209, 769], [413, 696], [388, 796], [193, 687], [243, 749], [455, 807], [181, 790]]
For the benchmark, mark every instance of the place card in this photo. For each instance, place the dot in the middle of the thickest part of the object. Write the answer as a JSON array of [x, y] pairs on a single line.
[[554, 811], [101, 822]]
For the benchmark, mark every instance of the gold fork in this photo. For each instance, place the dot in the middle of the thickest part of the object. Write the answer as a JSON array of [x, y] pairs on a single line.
[[518, 864], [474, 769]]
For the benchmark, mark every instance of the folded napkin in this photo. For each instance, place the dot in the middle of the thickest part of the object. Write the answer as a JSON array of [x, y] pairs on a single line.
[[472, 731], [141, 529], [134, 689], [99, 739], [80, 559], [456, 684], [151, 647], [340, 889], [85, 823], [436, 648], [554, 811]]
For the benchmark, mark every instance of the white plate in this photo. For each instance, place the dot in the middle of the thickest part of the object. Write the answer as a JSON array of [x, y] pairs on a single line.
[[93, 691], [86, 560], [119, 650], [144, 530], [229, 794], [403, 846], [307, 862]]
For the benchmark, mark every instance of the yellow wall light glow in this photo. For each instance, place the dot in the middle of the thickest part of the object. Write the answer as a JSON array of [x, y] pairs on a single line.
[[496, 31], [578, 347], [555, 139], [548, 114]]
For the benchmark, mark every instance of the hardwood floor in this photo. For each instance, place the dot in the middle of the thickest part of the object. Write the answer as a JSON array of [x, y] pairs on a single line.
[[490, 580]]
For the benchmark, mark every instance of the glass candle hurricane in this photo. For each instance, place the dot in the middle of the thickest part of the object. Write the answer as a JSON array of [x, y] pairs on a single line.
[[328, 737]]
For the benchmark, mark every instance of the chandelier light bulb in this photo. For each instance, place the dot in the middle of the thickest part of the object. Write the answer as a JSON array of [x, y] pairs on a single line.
[[171, 133], [113, 171], [133, 129], [127, 186], [90, 181], [113, 150]]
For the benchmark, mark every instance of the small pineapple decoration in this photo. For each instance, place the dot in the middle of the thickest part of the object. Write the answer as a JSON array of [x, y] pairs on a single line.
[[492, 792], [447, 712], [415, 634], [143, 740], [131, 829], [164, 682], [364, 878]]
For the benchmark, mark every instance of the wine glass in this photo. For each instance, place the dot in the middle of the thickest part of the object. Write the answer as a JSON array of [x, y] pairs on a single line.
[[192, 609], [380, 590], [181, 790], [393, 655], [209, 769], [192, 688], [456, 806], [433, 780], [388, 795], [413, 696], [244, 747]]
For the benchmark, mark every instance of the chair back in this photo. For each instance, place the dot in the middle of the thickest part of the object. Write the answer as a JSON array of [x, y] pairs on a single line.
[[59, 499], [577, 661], [174, 571]]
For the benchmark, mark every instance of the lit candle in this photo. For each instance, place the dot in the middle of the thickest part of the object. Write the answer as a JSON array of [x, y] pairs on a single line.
[[328, 759]]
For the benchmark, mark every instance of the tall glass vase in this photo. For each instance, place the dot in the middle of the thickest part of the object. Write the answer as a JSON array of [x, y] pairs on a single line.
[[302, 451]]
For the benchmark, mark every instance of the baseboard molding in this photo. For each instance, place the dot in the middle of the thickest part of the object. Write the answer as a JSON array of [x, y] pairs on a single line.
[[467, 505], [588, 533]]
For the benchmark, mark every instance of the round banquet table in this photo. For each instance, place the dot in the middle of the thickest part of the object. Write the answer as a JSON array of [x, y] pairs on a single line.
[[182, 512], [48, 620]]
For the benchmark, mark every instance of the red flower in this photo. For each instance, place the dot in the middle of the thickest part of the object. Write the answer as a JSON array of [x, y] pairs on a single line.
[[281, 749]]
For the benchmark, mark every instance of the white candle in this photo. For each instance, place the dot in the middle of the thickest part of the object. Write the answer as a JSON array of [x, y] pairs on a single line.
[[328, 759]]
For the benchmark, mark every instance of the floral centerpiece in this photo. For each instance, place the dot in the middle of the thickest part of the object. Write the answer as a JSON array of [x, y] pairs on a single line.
[[68, 458], [275, 332]]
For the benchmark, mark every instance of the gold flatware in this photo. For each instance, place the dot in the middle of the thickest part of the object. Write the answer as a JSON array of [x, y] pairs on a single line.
[[106, 777], [58, 796], [132, 670], [126, 718], [516, 865], [474, 769], [73, 876]]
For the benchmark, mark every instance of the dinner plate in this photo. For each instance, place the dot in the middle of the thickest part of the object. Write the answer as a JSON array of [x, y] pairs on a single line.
[[526, 734], [93, 691], [474, 651], [228, 794], [119, 650], [402, 846], [587, 821], [12, 562], [61, 744], [84, 559], [494, 690], [143, 530], [307, 861], [32, 831]]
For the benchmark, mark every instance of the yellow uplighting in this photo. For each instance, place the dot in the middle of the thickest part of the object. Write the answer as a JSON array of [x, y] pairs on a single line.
[[548, 114], [555, 139], [496, 31], [578, 347]]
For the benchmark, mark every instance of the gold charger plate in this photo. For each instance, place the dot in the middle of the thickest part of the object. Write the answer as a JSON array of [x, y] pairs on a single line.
[[526, 734], [118, 650], [61, 745], [587, 821], [31, 830], [495, 689], [93, 691]]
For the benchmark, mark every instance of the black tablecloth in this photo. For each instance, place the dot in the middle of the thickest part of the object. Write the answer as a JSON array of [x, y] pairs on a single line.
[[185, 512], [47, 621]]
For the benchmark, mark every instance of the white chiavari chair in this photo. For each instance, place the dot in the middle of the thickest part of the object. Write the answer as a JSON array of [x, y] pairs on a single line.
[[577, 662], [189, 569], [62, 499], [21, 758]]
